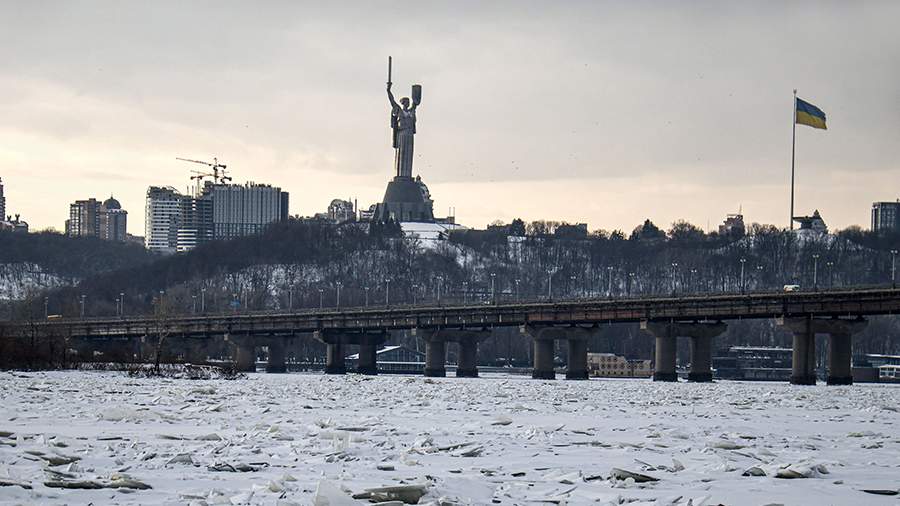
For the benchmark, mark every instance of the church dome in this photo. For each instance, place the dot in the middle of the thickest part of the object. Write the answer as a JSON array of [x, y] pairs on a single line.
[[112, 203]]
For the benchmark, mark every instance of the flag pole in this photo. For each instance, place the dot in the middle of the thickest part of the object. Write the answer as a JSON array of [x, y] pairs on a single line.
[[793, 151]]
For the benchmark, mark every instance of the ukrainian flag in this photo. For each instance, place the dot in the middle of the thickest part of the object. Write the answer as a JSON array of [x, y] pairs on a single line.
[[808, 114]]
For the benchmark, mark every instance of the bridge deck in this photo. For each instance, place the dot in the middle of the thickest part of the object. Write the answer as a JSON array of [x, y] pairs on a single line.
[[579, 312]]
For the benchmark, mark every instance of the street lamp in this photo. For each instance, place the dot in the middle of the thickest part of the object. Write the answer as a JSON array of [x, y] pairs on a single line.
[[437, 289], [493, 293], [743, 261], [609, 270], [121, 303], [414, 288], [549, 284], [82, 305], [321, 298], [338, 297], [692, 284], [46, 307], [759, 269], [193, 304], [894, 268], [572, 289], [815, 271], [202, 301], [465, 292], [830, 266], [387, 292], [366, 288], [674, 271], [630, 282], [517, 289], [291, 298]]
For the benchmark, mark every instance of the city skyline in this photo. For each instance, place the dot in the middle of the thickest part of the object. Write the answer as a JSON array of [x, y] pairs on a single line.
[[597, 113]]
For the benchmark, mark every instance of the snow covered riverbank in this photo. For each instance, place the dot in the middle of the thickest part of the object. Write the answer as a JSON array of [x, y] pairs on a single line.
[[275, 439]]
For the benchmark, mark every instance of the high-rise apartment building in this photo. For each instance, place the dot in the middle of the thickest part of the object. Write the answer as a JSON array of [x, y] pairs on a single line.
[[886, 216], [162, 214], [84, 218], [239, 210], [177, 222], [113, 220], [91, 218]]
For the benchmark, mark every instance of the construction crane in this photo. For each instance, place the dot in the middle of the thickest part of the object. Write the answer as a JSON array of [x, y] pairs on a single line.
[[216, 169]]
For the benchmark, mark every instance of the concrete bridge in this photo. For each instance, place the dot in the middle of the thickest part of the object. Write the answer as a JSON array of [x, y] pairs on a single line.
[[839, 314]]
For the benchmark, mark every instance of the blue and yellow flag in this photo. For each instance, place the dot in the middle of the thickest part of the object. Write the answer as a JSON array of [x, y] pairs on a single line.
[[808, 114]]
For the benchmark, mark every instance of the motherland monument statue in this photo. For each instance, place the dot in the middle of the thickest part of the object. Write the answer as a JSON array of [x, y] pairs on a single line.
[[406, 198]]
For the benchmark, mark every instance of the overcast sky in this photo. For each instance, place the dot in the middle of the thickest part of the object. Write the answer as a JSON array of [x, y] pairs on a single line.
[[599, 112]]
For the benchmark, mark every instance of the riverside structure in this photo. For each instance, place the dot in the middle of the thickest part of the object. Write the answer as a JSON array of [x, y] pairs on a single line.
[[839, 314]]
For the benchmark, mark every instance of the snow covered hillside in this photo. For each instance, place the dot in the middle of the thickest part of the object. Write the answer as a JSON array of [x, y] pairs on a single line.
[[313, 439]]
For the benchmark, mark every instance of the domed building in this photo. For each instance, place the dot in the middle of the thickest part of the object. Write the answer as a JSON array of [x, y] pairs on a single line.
[[113, 220]]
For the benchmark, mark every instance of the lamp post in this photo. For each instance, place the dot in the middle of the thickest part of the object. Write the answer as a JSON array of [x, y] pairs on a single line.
[[193, 304], [82, 305], [437, 289], [674, 271], [338, 295], [830, 266], [759, 269], [493, 293], [609, 270], [414, 288], [815, 271], [692, 283], [465, 292], [572, 288], [517, 289], [291, 298], [743, 261], [893, 268], [202, 301], [366, 289], [46, 307], [321, 298], [630, 282], [549, 284], [234, 302], [387, 292]]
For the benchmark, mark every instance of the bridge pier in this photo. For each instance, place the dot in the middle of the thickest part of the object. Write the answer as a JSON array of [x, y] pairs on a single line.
[[840, 341], [436, 350], [245, 357], [195, 351], [544, 338], [435, 358], [276, 363], [701, 336], [368, 361], [336, 342]]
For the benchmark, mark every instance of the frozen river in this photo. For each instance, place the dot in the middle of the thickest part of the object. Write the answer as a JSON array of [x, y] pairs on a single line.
[[277, 439]]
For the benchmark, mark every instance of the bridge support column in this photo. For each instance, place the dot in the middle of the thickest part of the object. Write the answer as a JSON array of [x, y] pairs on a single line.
[[543, 359], [576, 365], [336, 342], [435, 358], [436, 350], [667, 333], [244, 357], [467, 365], [334, 359], [701, 359], [367, 359], [276, 364], [840, 332], [544, 338]]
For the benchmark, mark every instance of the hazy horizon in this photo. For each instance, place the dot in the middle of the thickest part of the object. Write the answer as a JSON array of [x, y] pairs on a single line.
[[600, 112]]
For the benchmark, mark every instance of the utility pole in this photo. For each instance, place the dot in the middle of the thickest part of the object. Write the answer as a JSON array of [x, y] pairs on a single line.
[[743, 261], [893, 268], [815, 271]]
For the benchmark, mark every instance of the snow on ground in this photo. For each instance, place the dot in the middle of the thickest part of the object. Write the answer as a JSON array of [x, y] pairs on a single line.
[[276, 439]]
